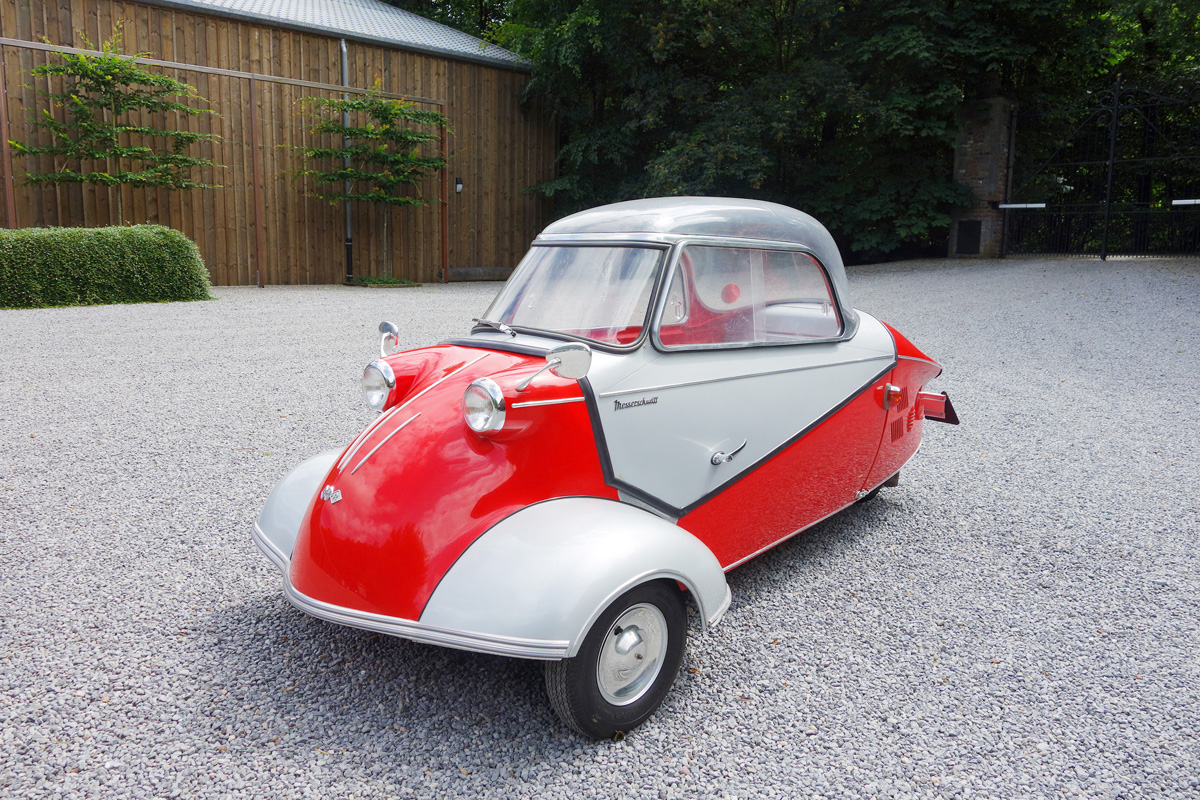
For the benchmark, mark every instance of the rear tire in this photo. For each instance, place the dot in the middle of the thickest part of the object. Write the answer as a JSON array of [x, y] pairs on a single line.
[[626, 664]]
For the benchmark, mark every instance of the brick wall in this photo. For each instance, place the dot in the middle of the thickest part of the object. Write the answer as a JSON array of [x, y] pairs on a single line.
[[981, 163]]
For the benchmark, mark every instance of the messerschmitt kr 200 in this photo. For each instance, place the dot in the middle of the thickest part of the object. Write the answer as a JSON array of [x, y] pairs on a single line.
[[662, 390]]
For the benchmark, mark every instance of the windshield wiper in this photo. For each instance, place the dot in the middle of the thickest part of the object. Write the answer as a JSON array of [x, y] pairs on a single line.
[[500, 326]]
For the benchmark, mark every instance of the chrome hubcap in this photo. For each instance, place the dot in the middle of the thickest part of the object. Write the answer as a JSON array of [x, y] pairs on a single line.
[[631, 654]]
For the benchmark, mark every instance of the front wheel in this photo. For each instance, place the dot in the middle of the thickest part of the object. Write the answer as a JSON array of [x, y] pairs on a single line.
[[626, 665]]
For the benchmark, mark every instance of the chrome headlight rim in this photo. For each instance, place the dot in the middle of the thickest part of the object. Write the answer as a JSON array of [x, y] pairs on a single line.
[[376, 396], [494, 419]]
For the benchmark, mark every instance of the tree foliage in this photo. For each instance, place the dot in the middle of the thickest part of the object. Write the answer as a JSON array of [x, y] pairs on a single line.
[[98, 129], [476, 17], [383, 144], [846, 109]]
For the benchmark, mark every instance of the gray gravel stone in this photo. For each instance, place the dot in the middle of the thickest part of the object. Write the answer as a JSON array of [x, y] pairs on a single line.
[[1018, 619]]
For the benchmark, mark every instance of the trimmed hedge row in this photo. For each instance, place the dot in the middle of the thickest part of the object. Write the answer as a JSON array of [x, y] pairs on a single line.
[[42, 267]]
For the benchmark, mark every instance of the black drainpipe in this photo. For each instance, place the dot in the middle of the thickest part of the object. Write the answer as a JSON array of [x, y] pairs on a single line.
[[346, 164]]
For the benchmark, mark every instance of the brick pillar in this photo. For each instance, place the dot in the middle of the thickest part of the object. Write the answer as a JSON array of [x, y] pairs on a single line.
[[981, 163]]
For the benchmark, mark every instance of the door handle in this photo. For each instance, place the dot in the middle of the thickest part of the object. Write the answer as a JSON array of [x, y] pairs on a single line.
[[719, 457]]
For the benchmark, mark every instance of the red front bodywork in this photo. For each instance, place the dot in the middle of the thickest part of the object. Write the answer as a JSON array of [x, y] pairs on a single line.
[[411, 504], [415, 505]]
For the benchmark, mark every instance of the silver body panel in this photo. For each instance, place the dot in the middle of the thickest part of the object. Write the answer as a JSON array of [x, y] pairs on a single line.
[[531, 586], [547, 571], [665, 415], [279, 522]]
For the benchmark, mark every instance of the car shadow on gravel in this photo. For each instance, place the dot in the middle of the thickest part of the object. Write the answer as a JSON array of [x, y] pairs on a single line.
[[334, 687], [341, 687], [836, 537]]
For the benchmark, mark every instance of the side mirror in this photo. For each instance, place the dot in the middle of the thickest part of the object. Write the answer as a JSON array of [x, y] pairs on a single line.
[[571, 361], [388, 331]]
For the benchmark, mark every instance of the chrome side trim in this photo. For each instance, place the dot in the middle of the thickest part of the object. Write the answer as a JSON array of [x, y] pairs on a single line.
[[362, 437], [547, 650], [780, 541], [384, 441], [548, 402], [922, 360], [276, 556], [740, 377], [719, 614]]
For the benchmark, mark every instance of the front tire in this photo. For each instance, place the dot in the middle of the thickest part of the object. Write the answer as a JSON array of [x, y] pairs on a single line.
[[626, 664]]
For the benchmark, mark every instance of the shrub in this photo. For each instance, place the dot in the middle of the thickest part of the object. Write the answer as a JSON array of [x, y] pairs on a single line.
[[42, 267]]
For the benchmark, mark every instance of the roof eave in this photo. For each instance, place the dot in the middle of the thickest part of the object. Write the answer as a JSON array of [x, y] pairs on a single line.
[[334, 33]]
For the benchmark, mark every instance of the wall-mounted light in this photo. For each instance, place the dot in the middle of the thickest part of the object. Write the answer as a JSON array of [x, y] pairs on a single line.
[[458, 185]]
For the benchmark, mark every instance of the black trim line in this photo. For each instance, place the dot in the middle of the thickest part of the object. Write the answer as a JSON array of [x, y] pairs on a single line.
[[606, 467], [498, 344], [570, 337], [675, 511]]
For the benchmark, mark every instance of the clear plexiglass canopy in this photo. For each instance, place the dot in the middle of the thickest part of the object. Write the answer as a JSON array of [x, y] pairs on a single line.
[[600, 293]]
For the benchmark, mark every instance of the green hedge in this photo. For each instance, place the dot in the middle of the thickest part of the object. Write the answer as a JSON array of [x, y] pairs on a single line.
[[42, 267]]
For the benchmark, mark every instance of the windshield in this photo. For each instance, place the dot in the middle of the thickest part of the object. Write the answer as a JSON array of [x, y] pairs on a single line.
[[597, 293]]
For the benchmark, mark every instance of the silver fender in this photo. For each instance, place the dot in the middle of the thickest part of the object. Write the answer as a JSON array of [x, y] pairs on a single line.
[[279, 523], [548, 571]]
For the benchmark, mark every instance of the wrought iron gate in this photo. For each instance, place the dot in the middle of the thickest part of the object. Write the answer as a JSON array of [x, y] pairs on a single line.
[[1117, 176]]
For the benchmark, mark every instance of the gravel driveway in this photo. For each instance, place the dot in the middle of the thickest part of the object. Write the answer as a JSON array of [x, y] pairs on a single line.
[[1019, 618]]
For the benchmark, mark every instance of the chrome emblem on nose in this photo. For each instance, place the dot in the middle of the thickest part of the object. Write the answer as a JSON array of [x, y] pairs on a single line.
[[330, 494]]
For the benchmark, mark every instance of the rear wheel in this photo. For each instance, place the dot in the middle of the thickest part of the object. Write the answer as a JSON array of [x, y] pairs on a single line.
[[626, 664]]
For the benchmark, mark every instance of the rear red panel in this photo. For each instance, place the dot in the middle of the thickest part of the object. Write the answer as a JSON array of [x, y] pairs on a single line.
[[903, 425], [811, 479]]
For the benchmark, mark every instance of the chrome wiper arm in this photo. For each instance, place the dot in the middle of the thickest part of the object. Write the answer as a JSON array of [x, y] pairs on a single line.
[[500, 326]]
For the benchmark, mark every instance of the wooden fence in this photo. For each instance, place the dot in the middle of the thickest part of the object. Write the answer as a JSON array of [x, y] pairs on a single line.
[[260, 224]]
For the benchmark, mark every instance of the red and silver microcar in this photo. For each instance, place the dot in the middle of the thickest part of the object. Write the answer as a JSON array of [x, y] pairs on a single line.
[[663, 390]]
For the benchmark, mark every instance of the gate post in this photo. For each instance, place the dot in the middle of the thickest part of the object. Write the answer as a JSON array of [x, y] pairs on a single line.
[[1115, 111], [981, 162]]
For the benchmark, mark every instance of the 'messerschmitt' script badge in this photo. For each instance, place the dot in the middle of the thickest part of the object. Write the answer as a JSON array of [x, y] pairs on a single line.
[[330, 494], [645, 401]]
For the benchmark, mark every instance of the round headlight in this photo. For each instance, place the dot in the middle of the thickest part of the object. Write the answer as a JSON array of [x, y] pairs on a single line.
[[483, 406], [378, 380]]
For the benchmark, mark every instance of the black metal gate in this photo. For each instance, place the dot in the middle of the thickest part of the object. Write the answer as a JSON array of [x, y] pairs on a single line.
[[1117, 176]]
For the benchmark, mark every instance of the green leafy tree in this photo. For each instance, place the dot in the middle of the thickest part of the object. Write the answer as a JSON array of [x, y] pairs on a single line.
[[1155, 44], [97, 127], [847, 109], [380, 157], [476, 17]]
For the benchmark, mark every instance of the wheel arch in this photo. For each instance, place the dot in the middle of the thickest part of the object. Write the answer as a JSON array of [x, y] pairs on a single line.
[[550, 570]]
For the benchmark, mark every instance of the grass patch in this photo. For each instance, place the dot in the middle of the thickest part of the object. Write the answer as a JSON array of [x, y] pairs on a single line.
[[380, 280]]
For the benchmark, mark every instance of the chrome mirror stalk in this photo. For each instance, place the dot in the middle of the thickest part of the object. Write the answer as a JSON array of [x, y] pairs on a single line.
[[571, 361], [387, 331]]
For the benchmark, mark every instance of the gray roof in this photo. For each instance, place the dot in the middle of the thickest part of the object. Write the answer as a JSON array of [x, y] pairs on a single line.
[[362, 20]]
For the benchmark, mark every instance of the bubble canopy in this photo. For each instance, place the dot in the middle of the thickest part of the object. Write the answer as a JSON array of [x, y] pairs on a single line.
[[607, 290]]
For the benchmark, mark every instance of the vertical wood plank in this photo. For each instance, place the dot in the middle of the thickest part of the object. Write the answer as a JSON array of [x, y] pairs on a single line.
[[497, 148], [6, 157]]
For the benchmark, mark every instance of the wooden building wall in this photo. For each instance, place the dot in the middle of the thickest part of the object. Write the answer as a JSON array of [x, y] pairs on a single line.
[[495, 146]]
